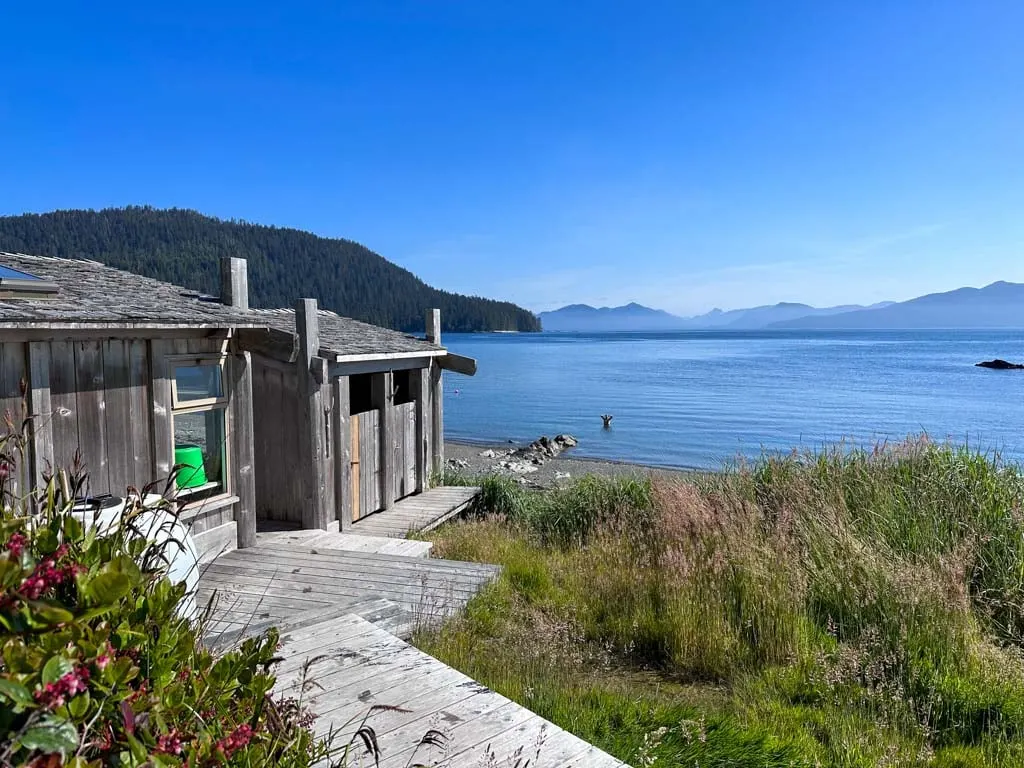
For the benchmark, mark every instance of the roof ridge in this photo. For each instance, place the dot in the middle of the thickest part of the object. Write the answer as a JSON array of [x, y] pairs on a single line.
[[19, 255]]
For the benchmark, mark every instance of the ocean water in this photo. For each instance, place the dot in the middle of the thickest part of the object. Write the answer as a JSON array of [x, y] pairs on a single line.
[[697, 399]]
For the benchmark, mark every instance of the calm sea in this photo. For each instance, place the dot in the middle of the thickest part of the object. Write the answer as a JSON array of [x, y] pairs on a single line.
[[696, 399]]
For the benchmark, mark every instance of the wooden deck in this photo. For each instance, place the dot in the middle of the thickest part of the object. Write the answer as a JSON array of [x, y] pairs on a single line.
[[422, 512], [278, 582], [358, 665], [346, 542]]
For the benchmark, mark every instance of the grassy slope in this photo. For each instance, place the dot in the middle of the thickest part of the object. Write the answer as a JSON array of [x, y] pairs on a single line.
[[834, 610]]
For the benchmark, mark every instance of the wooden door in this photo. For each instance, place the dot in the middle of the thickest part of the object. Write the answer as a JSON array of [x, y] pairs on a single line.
[[354, 490]]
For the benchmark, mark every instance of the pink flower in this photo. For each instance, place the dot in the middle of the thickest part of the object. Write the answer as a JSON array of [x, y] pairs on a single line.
[[239, 738], [53, 695], [16, 544], [169, 743]]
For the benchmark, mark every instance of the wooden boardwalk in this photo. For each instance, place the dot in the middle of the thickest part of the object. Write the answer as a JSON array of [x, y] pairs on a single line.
[[358, 665], [275, 583], [422, 512]]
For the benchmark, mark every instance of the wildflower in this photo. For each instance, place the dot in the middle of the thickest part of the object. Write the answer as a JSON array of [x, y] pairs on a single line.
[[238, 739], [16, 544], [53, 695], [169, 743]]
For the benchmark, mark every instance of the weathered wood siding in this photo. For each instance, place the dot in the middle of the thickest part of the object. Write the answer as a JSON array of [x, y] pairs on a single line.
[[276, 428]]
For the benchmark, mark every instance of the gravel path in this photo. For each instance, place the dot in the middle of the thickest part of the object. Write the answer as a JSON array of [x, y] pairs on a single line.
[[467, 458]]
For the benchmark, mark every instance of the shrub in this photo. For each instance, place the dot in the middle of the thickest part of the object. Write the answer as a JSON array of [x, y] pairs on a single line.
[[96, 665]]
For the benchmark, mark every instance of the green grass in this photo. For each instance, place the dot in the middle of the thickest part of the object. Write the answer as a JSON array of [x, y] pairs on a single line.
[[837, 609]]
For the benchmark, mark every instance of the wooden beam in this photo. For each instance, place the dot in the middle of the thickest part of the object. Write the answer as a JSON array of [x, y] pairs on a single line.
[[269, 342], [311, 422], [243, 460], [385, 358], [234, 283], [380, 365], [383, 396], [458, 364], [436, 396], [342, 451], [436, 419]]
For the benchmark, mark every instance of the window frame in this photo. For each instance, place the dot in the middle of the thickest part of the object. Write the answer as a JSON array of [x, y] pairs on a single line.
[[203, 405], [195, 361]]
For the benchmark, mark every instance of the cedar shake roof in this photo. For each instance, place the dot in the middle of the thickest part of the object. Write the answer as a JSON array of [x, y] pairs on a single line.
[[345, 336], [89, 293]]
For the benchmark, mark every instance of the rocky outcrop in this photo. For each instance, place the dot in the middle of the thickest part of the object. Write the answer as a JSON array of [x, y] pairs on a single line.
[[519, 462], [1000, 365]]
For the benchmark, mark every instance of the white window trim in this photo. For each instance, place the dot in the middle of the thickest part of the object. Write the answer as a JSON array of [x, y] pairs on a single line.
[[182, 361]]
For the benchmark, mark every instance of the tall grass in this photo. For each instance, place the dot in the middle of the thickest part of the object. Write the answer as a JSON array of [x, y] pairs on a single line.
[[856, 608]]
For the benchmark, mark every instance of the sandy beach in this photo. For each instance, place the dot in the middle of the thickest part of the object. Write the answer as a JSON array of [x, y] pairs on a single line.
[[482, 459]]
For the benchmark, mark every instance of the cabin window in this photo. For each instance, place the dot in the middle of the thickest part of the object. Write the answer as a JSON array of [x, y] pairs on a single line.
[[360, 389], [200, 427]]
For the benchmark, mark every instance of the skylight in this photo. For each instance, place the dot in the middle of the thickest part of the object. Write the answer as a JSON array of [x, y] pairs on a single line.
[[16, 283]]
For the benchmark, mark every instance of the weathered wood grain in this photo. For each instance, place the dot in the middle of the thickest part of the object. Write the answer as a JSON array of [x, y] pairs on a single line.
[[243, 462], [140, 413], [92, 428], [40, 409], [341, 416]]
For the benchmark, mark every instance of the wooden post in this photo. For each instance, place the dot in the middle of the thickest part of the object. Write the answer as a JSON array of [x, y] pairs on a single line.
[[311, 411], [420, 380], [383, 396], [242, 449], [234, 283], [342, 451], [162, 438], [436, 394]]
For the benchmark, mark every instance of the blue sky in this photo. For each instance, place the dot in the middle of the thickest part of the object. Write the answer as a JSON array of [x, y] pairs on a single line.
[[682, 154]]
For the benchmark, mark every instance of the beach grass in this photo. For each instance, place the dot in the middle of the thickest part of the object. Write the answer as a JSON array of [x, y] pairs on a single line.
[[843, 608]]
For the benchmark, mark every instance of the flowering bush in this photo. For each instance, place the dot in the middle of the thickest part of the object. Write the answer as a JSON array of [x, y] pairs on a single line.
[[96, 666]]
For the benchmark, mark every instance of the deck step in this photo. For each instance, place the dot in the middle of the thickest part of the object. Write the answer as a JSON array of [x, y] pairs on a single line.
[[274, 584], [348, 542], [422, 512], [357, 665]]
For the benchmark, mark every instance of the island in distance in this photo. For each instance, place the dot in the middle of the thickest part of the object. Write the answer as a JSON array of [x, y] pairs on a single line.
[[999, 305]]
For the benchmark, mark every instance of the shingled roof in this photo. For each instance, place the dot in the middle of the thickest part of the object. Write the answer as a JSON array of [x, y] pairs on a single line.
[[344, 337], [92, 294]]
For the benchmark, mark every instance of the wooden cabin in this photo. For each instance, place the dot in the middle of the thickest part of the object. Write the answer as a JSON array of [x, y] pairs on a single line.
[[294, 416]]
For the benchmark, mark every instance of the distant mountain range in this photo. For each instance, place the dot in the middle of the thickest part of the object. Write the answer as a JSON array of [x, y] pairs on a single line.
[[999, 305]]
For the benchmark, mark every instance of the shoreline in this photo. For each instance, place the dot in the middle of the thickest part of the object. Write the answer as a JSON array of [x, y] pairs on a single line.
[[463, 455]]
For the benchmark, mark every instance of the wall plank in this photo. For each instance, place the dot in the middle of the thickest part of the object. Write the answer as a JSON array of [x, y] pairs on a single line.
[[41, 409], [14, 402], [242, 448], [92, 428], [342, 451], [140, 410], [117, 416]]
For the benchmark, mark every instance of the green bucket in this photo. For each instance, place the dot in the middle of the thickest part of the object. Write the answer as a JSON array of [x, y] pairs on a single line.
[[192, 474]]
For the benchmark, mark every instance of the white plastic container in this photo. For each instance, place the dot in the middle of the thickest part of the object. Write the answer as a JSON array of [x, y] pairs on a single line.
[[157, 524]]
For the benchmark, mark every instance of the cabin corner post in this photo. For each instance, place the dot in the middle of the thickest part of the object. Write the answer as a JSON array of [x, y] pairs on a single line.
[[315, 513], [436, 395], [243, 449]]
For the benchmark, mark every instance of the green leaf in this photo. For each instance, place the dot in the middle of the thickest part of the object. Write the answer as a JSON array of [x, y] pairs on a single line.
[[16, 692], [50, 613], [108, 587], [52, 735], [72, 529], [10, 573], [79, 705], [55, 669]]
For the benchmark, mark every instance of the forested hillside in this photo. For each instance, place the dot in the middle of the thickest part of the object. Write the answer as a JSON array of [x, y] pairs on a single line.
[[185, 247]]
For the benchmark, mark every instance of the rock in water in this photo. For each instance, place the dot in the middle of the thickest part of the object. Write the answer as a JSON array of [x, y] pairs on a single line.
[[1000, 365], [567, 441]]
